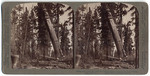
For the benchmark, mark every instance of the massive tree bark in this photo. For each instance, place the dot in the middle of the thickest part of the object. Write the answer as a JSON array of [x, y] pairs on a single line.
[[115, 33], [52, 32]]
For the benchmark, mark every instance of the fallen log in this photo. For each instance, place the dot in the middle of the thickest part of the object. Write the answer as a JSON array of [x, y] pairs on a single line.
[[111, 57]]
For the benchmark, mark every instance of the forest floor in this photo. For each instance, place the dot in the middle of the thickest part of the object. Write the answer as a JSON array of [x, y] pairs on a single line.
[[48, 64], [55, 64], [67, 63], [107, 64]]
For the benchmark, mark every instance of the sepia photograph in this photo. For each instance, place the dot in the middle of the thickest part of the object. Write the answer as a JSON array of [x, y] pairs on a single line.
[[74, 38], [41, 36], [107, 36]]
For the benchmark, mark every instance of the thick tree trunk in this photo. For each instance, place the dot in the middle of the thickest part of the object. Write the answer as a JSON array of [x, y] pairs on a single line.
[[116, 38], [54, 38], [115, 34]]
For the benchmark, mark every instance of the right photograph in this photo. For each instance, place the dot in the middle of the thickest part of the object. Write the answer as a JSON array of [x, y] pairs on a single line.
[[107, 36]]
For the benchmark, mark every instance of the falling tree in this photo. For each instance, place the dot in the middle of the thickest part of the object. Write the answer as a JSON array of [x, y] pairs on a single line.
[[106, 33]]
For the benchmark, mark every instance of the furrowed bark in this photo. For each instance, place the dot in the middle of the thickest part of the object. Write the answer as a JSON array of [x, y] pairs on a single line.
[[115, 34], [52, 32]]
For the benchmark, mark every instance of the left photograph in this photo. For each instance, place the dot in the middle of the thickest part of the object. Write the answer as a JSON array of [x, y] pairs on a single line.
[[42, 36]]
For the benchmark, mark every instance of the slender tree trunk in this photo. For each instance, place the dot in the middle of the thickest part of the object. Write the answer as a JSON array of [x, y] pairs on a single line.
[[24, 42], [20, 52], [33, 49], [43, 49], [88, 32]]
